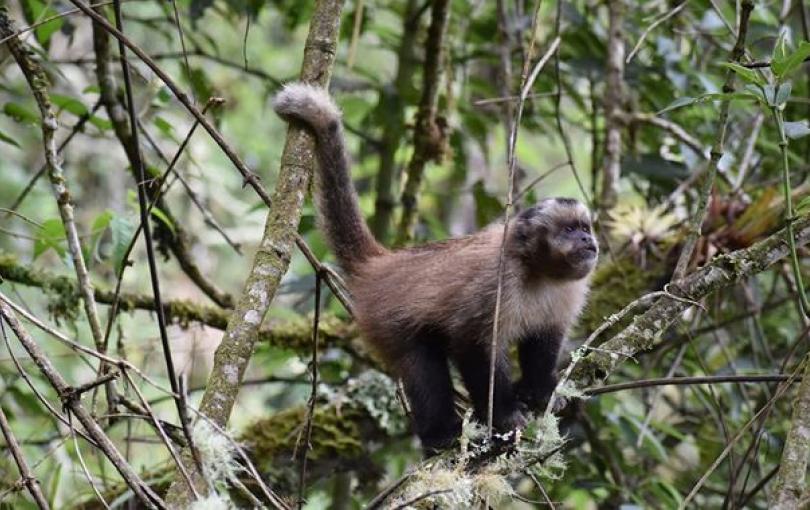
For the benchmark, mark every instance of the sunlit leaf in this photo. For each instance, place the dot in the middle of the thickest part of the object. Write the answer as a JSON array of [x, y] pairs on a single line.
[[20, 113], [51, 235], [745, 74], [783, 65]]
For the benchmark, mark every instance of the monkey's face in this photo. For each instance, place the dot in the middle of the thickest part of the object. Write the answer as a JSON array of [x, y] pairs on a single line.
[[554, 239]]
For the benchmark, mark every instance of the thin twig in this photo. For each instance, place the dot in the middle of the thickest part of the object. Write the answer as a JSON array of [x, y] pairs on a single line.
[[313, 394], [614, 103], [777, 394], [77, 128], [652, 26], [525, 87], [689, 381], [701, 210], [38, 83], [171, 374], [141, 490], [28, 478], [429, 135]]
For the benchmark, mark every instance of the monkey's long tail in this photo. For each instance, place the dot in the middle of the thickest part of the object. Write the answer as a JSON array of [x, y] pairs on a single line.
[[340, 216]]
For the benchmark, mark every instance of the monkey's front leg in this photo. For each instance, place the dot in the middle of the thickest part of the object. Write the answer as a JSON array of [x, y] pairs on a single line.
[[474, 366], [538, 353]]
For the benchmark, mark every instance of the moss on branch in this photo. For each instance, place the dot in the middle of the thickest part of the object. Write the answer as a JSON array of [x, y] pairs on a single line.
[[294, 334], [721, 272]]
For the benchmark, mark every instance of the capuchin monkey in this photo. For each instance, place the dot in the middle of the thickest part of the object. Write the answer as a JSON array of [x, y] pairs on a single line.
[[421, 308]]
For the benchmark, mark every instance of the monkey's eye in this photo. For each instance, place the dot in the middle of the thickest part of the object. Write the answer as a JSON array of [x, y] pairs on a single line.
[[586, 229], [569, 229]]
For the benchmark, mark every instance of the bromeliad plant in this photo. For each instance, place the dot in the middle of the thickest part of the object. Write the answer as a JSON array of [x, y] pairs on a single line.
[[771, 92]]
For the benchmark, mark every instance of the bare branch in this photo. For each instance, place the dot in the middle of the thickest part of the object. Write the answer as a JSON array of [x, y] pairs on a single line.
[[138, 486], [28, 479]]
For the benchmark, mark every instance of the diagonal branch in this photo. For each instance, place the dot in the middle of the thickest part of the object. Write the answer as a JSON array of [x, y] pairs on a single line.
[[27, 475], [92, 428], [722, 272], [275, 250], [696, 222], [38, 83], [178, 241]]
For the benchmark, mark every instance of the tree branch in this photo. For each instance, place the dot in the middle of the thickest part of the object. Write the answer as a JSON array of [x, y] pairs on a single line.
[[614, 102], [178, 241], [292, 334], [275, 250], [63, 389], [28, 479], [696, 222], [38, 83], [722, 272], [430, 136]]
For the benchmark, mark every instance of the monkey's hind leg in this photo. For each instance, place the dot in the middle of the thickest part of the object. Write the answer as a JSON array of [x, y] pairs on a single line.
[[473, 363], [425, 375]]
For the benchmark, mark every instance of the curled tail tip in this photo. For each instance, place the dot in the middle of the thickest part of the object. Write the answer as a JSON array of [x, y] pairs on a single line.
[[308, 103]]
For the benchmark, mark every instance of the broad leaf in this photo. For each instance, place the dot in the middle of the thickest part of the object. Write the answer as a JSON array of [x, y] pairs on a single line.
[[783, 65], [745, 74], [797, 129], [50, 236]]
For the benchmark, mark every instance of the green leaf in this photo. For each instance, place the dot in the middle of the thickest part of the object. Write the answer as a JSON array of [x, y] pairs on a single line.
[[164, 126], [35, 11], [797, 129], [803, 207], [200, 83], [50, 236], [77, 108], [101, 124], [679, 103], [97, 241], [782, 94], [783, 65], [157, 213], [687, 101], [53, 484], [70, 104], [745, 74], [20, 113], [121, 230], [5, 138]]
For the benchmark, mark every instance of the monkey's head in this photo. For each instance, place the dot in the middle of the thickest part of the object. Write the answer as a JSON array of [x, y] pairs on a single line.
[[553, 239]]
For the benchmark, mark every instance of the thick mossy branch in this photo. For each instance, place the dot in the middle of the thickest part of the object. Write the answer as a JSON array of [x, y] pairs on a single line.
[[275, 249], [614, 284], [339, 439], [63, 302], [723, 271]]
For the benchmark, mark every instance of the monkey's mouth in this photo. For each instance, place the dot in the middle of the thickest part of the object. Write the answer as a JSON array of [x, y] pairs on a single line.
[[587, 252]]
